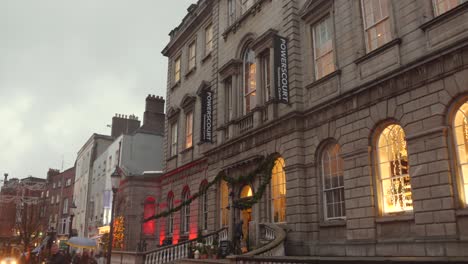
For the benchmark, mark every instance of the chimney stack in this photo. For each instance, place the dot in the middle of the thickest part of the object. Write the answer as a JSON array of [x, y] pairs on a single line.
[[123, 124], [5, 175], [153, 119]]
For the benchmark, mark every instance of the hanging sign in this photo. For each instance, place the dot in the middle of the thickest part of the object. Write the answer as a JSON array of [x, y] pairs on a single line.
[[206, 116], [281, 69]]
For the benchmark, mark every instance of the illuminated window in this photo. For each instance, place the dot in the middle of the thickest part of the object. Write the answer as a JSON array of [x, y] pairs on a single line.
[[208, 39], [177, 70], [149, 210], [376, 23], [250, 84], [332, 182], [188, 129], [323, 48], [192, 55], [204, 208], [170, 217], [174, 139], [442, 6], [224, 193], [246, 192], [461, 140], [185, 212], [278, 191], [393, 170]]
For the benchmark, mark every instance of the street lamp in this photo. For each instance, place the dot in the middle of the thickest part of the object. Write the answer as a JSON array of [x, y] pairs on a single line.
[[115, 181], [70, 227]]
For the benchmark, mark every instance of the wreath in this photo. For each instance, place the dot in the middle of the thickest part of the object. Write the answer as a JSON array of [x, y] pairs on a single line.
[[265, 169]]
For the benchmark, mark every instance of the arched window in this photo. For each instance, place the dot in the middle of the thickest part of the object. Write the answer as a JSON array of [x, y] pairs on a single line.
[[203, 206], [460, 126], [185, 212], [224, 195], [332, 183], [170, 218], [278, 191], [250, 83], [394, 180], [149, 210]]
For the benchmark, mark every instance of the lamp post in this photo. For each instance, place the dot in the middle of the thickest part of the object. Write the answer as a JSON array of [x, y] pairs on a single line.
[[115, 181], [70, 227]]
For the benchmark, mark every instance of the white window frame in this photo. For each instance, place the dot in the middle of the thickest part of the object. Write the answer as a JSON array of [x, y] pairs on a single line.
[[177, 69], [192, 55], [185, 214], [209, 39], [189, 129], [375, 24], [332, 157], [328, 22], [174, 136]]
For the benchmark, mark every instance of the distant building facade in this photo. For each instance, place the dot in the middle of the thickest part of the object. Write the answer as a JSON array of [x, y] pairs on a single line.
[[94, 147], [361, 102], [57, 200], [131, 148]]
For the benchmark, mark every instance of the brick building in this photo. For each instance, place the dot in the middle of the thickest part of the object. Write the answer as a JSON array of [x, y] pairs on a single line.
[[363, 104], [8, 209], [57, 200], [20, 213]]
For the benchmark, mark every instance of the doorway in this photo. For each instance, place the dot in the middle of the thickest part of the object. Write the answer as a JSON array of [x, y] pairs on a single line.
[[246, 217]]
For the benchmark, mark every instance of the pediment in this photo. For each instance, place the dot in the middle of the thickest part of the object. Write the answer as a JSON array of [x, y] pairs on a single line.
[[313, 7], [172, 112]]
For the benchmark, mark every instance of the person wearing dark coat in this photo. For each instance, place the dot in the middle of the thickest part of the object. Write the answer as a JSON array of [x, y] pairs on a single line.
[[56, 256]]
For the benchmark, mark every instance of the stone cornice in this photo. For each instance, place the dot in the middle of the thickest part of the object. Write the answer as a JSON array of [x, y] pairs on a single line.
[[197, 13]]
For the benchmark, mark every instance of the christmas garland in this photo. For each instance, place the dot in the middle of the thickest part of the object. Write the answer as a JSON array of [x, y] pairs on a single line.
[[264, 169]]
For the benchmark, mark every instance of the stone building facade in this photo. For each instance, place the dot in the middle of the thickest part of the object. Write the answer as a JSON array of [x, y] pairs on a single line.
[[370, 139]]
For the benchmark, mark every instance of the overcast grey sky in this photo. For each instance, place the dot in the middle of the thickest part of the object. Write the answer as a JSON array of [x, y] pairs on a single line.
[[66, 67]]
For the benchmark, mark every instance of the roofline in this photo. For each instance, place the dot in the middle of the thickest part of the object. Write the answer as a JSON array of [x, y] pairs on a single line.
[[194, 12]]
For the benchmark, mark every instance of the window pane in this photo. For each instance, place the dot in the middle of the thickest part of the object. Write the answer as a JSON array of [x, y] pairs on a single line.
[[333, 187], [323, 48], [189, 130], [393, 170], [250, 85], [278, 191], [376, 23], [177, 70], [224, 193], [442, 6]]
